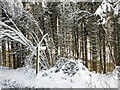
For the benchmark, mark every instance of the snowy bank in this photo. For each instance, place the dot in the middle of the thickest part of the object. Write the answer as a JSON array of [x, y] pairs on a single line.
[[65, 74]]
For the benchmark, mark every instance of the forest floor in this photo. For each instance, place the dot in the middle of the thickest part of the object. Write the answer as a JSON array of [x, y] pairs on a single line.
[[64, 77]]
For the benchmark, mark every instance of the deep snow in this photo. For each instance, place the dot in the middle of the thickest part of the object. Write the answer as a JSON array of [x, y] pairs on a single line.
[[70, 74]]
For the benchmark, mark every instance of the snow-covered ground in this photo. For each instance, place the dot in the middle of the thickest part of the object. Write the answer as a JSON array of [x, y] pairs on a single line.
[[72, 74]]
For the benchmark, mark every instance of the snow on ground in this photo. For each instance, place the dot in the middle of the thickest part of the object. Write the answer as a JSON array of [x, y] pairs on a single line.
[[70, 74]]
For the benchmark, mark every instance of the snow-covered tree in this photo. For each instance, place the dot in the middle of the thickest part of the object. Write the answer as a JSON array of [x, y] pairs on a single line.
[[21, 30]]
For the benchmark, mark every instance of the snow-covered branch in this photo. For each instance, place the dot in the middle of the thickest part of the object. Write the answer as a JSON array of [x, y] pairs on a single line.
[[105, 9], [22, 39]]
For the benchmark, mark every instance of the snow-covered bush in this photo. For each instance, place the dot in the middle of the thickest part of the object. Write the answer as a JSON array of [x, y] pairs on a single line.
[[70, 67], [59, 64]]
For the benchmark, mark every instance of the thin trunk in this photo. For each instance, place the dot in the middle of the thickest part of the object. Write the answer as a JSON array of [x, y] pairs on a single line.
[[94, 49], [13, 53], [76, 43], [82, 27], [100, 52], [54, 29], [118, 44], [9, 54], [91, 63], [86, 55], [104, 53], [4, 53], [22, 56], [37, 61]]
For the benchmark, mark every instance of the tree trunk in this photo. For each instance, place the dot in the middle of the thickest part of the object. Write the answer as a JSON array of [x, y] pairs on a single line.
[[9, 54], [104, 53], [76, 43], [100, 50], [37, 61], [82, 27], [4, 52], [94, 50], [54, 29], [85, 41], [118, 45]]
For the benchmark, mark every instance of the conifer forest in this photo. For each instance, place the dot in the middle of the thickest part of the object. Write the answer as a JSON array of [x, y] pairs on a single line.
[[59, 44]]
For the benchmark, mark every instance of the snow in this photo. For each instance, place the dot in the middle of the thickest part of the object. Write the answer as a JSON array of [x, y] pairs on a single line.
[[117, 7], [105, 9], [71, 74], [102, 11]]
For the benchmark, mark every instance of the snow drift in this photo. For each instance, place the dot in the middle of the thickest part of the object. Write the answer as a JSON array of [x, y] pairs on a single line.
[[65, 74]]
